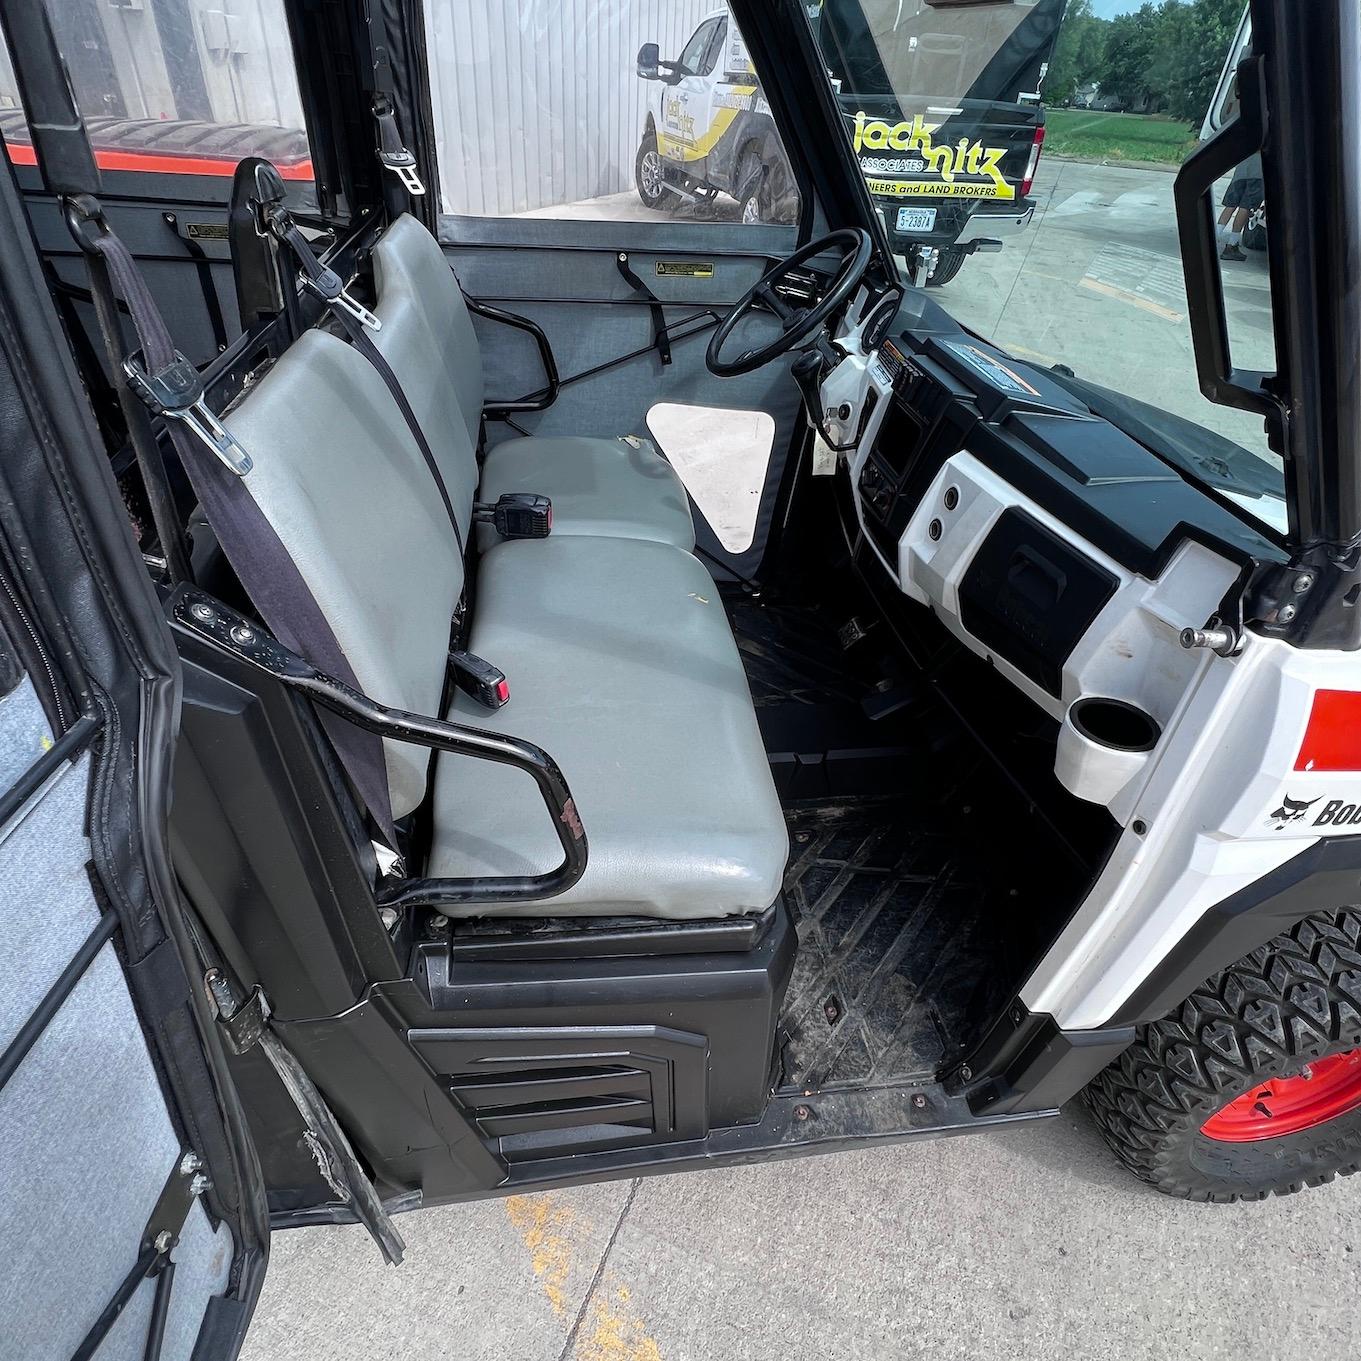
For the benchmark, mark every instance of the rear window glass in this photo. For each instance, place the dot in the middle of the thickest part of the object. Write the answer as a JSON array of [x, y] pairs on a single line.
[[186, 87]]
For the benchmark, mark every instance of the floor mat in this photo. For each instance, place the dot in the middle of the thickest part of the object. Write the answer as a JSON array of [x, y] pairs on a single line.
[[790, 656], [898, 946], [921, 885]]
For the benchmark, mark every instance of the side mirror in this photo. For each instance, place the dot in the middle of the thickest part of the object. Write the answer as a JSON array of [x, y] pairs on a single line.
[[649, 55]]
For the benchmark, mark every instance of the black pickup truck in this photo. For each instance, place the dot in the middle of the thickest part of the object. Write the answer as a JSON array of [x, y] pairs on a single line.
[[942, 98]]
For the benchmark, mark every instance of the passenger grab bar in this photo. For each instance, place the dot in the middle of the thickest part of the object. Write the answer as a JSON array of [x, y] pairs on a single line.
[[206, 617]]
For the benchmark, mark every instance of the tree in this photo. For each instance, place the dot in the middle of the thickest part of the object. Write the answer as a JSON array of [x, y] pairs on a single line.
[[1191, 42], [1128, 57], [1163, 58], [1079, 51]]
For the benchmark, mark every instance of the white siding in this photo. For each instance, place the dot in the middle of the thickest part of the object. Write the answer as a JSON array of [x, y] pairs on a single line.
[[537, 102]]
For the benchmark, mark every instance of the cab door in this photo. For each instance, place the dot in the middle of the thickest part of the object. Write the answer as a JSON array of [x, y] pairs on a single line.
[[133, 1220]]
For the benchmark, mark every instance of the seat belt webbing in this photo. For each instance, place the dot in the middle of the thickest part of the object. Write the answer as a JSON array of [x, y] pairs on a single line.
[[215, 465], [357, 321], [661, 339]]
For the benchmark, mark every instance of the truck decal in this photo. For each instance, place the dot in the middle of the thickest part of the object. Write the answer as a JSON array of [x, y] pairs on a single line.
[[964, 158], [676, 137]]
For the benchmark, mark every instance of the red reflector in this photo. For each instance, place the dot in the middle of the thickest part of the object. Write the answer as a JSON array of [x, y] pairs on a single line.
[[502, 691], [1033, 163], [1332, 741]]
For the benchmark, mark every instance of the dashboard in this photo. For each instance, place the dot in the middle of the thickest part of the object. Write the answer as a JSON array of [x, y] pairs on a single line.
[[1045, 539]]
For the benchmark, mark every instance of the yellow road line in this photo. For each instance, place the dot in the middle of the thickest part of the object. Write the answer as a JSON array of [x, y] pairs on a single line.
[[1111, 291]]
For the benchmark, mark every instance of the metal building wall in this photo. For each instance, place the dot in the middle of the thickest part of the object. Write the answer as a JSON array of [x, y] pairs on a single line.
[[226, 61], [537, 102]]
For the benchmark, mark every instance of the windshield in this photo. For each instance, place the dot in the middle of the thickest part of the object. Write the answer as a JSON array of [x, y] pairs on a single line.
[[1022, 155]]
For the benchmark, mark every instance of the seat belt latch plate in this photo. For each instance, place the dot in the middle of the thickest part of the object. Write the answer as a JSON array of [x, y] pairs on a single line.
[[176, 393], [392, 153], [518, 515], [403, 164], [330, 288], [477, 677]]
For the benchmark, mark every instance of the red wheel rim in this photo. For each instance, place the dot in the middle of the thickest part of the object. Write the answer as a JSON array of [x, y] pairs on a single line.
[[1320, 1091]]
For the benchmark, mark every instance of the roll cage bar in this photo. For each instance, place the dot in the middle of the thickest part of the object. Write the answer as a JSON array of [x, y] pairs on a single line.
[[1301, 108]]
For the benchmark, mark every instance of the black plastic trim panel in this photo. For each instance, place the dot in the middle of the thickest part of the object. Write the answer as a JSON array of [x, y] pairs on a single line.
[[1027, 1063], [1104, 486], [1030, 597]]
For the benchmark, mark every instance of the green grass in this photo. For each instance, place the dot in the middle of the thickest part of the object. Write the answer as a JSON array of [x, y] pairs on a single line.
[[1117, 136]]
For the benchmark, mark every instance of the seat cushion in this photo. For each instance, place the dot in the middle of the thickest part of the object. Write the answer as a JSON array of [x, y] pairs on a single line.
[[623, 667], [604, 487], [437, 356]]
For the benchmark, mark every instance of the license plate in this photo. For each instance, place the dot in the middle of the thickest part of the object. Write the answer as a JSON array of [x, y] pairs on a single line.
[[916, 219]]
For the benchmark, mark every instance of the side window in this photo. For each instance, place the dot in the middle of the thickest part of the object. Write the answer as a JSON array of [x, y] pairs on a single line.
[[717, 35], [692, 55], [603, 110], [185, 87]]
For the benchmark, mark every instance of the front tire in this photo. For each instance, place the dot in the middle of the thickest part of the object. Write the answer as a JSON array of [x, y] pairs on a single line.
[[751, 183], [1252, 1086], [649, 176]]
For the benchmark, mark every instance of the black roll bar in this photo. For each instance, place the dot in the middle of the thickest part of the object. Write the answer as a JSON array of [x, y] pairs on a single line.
[[541, 398], [1312, 169], [208, 618]]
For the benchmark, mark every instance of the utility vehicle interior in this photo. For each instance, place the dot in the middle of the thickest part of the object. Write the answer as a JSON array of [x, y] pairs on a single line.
[[519, 829]]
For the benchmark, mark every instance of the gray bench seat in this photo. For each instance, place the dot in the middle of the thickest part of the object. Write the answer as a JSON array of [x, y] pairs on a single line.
[[597, 486], [623, 666], [619, 655]]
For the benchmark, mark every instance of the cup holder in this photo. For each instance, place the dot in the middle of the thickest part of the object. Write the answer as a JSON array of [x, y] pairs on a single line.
[[1115, 723], [1103, 744]]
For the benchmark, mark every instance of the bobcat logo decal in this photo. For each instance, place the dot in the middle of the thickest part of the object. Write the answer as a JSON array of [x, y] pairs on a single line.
[[1291, 810]]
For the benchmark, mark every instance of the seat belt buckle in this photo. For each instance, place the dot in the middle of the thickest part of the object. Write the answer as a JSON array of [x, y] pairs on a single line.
[[392, 154], [320, 279], [487, 684], [518, 515], [176, 393]]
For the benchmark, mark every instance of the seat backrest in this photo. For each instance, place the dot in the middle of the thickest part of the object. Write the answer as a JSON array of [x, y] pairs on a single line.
[[341, 480], [428, 338]]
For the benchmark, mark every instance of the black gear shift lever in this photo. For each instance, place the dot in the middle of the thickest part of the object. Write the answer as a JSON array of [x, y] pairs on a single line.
[[808, 370]]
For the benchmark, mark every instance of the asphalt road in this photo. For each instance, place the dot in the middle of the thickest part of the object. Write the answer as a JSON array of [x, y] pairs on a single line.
[[1030, 1242]]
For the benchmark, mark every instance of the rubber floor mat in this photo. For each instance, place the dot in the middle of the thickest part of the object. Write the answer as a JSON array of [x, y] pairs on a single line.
[[790, 656], [898, 952]]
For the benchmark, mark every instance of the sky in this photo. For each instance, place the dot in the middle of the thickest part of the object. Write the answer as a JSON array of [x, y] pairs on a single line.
[[1108, 9]]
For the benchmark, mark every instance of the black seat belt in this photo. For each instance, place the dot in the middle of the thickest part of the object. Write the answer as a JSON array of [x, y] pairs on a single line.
[[661, 338], [357, 321], [215, 464]]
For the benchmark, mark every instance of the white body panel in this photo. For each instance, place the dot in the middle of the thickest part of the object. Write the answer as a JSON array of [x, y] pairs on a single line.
[[1216, 803]]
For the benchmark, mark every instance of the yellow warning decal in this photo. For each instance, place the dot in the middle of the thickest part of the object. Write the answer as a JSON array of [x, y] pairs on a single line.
[[685, 269]]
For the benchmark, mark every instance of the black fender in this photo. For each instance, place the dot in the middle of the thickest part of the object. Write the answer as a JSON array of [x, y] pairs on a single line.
[[1028, 1063]]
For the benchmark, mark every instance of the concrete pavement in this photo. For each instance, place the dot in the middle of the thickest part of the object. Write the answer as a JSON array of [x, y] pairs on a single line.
[[1026, 1243]]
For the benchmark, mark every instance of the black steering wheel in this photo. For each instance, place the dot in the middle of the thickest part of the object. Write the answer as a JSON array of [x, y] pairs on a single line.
[[855, 247]]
